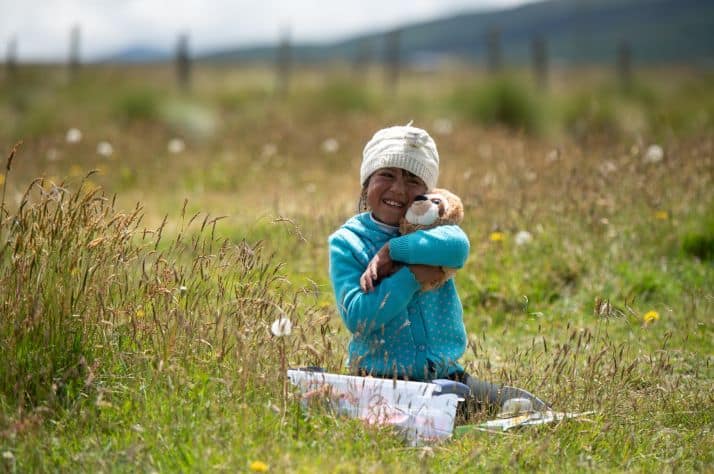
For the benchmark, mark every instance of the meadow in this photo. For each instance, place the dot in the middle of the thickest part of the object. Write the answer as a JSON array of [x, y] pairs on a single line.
[[150, 236]]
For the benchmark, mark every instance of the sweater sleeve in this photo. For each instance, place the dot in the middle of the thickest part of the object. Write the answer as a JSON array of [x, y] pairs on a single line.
[[446, 246], [366, 312]]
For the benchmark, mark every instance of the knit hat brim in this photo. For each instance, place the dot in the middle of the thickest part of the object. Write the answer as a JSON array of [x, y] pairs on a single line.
[[404, 147]]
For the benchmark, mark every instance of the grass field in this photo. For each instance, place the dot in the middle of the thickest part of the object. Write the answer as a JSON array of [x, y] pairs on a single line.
[[144, 256]]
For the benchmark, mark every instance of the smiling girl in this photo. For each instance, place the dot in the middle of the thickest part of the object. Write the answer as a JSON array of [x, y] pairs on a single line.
[[399, 331]]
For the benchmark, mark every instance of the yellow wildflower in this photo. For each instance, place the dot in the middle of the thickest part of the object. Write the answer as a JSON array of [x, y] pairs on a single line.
[[661, 215], [497, 236], [2, 179], [258, 466], [139, 313], [650, 316]]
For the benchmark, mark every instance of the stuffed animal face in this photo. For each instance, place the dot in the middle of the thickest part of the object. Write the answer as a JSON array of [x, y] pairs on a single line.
[[438, 207]]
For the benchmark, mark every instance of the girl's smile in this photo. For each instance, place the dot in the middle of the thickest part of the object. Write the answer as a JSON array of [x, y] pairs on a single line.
[[390, 191]]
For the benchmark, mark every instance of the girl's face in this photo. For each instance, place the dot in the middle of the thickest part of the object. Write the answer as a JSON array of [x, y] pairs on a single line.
[[390, 191]]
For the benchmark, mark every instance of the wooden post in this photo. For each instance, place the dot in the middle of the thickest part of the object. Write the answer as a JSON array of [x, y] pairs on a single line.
[[11, 58], [363, 58], [493, 45], [392, 59], [624, 64], [540, 61], [183, 62], [74, 46], [284, 64]]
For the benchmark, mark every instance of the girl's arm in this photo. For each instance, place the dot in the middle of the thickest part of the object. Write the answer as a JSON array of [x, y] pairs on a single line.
[[444, 246], [366, 312]]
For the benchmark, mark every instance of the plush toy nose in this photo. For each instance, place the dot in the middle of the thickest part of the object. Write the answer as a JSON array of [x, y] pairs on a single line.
[[420, 197]]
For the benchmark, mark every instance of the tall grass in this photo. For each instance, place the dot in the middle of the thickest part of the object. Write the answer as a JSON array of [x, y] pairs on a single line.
[[87, 295], [135, 327]]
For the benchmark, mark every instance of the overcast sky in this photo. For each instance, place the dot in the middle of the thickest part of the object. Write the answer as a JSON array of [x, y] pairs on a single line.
[[41, 27]]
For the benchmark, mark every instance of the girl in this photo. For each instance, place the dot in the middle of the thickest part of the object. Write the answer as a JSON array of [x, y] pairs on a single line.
[[397, 330]]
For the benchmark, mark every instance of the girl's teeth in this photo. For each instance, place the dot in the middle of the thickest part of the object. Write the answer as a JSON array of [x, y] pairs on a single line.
[[393, 203]]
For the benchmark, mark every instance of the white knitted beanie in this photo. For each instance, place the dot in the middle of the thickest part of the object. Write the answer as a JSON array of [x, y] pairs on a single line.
[[405, 147]]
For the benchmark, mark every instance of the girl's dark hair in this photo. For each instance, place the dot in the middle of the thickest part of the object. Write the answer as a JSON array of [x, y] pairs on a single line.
[[362, 205]]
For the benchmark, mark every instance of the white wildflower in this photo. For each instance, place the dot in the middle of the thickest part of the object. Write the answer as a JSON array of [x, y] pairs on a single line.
[[443, 126], [53, 154], [8, 455], [74, 135], [182, 289], [105, 149], [176, 146], [553, 155], [281, 327], [523, 237], [269, 149], [654, 154], [330, 145], [607, 167]]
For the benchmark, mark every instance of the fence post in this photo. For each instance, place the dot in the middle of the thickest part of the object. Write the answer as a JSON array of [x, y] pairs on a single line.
[[493, 46], [183, 62], [284, 64], [74, 45], [11, 58], [540, 61], [363, 58], [624, 64], [392, 59]]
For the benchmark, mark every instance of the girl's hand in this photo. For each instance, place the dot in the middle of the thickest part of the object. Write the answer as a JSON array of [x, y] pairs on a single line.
[[381, 266], [428, 276]]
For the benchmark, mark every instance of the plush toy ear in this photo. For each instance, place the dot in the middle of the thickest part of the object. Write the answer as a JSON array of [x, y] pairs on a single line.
[[454, 212]]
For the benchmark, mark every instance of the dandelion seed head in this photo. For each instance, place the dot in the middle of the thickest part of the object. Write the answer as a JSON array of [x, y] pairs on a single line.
[[269, 150], [52, 154], [552, 156], [281, 327], [654, 154], [330, 145], [74, 135], [608, 167], [443, 126], [176, 146], [105, 149], [523, 237]]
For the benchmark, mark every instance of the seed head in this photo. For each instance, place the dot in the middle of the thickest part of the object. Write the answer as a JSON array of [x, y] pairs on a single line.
[[281, 327]]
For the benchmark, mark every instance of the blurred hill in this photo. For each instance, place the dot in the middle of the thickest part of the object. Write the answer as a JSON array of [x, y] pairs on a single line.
[[575, 31]]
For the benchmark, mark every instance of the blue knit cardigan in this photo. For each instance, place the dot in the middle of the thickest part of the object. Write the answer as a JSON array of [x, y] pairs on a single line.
[[398, 330]]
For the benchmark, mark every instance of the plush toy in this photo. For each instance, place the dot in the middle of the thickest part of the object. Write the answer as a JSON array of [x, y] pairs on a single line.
[[439, 207]]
